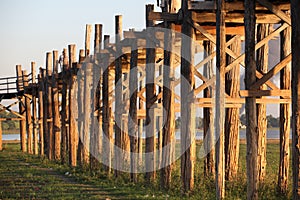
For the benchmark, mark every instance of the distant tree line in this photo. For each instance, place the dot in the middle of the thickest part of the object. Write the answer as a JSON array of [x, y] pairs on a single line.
[[272, 121], [9, 125]]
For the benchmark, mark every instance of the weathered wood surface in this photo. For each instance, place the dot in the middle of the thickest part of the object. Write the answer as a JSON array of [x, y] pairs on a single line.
[[251, 116]]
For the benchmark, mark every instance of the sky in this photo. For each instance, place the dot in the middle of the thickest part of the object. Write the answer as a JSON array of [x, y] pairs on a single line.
[[30, 28]]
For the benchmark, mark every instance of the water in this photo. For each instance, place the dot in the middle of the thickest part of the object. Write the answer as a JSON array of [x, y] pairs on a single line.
[[271, 134]]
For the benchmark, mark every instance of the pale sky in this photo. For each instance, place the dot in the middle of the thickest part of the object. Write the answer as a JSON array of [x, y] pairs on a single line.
[[30, 28]]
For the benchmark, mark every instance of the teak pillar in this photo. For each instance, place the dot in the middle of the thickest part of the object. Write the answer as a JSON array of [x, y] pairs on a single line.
[[150, 96], [187, 129], [41, 111], [220, 99], [21, 109], [251, 116], [28, 114], [285, 114], [295, 12], [64, 110], [34, 109], [55, 109]]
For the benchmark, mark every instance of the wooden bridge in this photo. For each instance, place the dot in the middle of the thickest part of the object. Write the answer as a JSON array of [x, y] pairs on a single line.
[[94, 108]]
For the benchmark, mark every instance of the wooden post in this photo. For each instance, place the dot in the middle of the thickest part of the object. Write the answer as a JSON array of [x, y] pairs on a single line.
[[96, 126], [251, 116], [107, 134], [220, 99], [150, 96], [262, 66], [55, 109], [169, 141], [132, 117], [140, 124], [118, 97], [87, 111], [98, 38], [28, 114], [285, 114], [64, 110], [34, 113], [208, 117], [21, 109], [88, 34], [73, 132], [295, 14], [49, 116], [45, 110], [187, 129], [232, 139], [1, 136], [41, 112]]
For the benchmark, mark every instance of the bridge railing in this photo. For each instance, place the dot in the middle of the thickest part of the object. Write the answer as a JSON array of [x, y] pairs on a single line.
[[9, 84]]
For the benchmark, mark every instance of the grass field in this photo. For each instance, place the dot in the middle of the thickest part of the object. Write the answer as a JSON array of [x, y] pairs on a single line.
[[24, 176]]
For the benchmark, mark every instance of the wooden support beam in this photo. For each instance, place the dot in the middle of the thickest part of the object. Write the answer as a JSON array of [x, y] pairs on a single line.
[[41, 112], [88, 34], [73, 131], [132, 117], [1, 136], [45, 120], [88, 67], [49, 116], [251, 116], [168, 142], [285, 115], [262, 55], [187, 130], [260, 93], [272, 72], [64, 109], [55, 109], [276, 10], [295, 14], [98, 38], [119, 133], [232, 141], [150, 96], [107, 134], [208, 117], [220, 99], [21, 109], [28, 116], [34, 109]]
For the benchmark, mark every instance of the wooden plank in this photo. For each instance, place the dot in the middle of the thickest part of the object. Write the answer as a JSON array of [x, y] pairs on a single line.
[[161, 16], [285, 115], [229, 100], [274, 9], [260, 93], [271, 73], [235, 18], [231, 6]]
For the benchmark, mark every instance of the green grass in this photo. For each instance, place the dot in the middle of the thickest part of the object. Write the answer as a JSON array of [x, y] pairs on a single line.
[[31, 177]]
